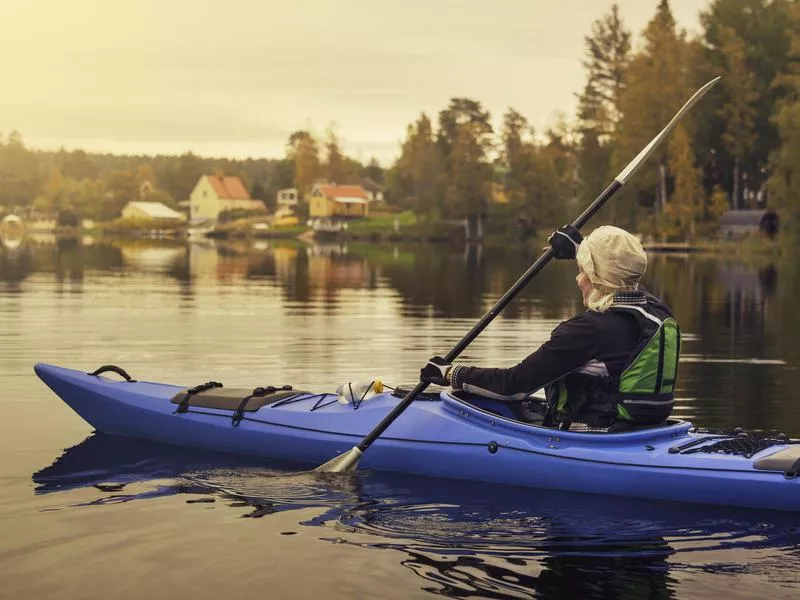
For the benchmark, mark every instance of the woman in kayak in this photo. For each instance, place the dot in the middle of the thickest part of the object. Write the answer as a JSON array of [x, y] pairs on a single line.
[[613, 365]]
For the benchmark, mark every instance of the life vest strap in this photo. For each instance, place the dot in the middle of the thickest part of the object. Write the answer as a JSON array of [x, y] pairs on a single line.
[[662, 343], [629, 398]]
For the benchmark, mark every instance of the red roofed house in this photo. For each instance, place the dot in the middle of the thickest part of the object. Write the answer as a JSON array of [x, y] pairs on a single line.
[[213, 194], [337, 201]]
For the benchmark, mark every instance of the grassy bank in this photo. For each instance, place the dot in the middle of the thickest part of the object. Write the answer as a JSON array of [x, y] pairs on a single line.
[[397, 227]]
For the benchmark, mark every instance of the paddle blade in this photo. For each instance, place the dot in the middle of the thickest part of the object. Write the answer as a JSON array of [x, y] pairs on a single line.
[[343, 463], [640, 159]]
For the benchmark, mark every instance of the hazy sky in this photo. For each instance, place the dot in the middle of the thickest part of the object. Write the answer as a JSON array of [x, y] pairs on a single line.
[[235, 78]]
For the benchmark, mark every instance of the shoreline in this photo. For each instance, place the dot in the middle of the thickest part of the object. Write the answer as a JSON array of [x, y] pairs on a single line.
[[739, 246]]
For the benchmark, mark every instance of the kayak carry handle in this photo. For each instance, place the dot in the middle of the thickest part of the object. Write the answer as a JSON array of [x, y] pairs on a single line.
[[112, 369]]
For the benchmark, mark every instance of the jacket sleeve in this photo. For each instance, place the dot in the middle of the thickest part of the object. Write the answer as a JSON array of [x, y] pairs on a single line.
[[571, 345]]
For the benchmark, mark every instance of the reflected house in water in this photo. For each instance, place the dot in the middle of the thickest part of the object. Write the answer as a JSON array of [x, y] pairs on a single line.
[[43, 225], [152, 259], [332, 268], [218, 261], [324, 267], [286, 258]]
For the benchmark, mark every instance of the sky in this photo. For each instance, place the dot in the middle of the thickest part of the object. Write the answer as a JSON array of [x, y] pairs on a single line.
[[234, 79]]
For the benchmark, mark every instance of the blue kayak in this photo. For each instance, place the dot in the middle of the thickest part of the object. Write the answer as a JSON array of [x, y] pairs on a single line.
[[447, 435]]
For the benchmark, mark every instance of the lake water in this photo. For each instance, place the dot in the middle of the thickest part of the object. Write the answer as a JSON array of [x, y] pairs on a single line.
[[91, 516]]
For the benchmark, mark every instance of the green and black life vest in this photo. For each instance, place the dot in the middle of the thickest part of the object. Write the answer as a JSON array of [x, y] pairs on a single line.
[[642, 394]]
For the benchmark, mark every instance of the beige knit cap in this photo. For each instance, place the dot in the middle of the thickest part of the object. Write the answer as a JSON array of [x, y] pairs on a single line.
[[612, 259]]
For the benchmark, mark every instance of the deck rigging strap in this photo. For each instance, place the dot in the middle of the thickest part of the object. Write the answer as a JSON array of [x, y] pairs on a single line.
[[184, 404], [258, 392]]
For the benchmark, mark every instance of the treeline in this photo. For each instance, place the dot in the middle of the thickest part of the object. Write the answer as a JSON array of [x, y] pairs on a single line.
[[98, 186], [739, 148]]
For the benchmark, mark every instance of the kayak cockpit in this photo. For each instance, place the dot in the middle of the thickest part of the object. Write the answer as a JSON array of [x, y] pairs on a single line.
[[498, 414]]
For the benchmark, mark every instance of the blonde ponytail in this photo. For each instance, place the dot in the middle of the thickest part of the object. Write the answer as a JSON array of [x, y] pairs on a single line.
[[599, 301]]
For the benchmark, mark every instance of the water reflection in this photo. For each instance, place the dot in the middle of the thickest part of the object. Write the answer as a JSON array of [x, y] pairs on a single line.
[[461, 539], [454, 282]]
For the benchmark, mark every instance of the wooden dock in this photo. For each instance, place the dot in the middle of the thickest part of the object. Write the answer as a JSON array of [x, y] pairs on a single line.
[[677, 247]]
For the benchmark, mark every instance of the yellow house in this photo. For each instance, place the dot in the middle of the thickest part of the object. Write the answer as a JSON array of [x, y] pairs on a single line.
[[150, 210], [213, 195], [337, 201]]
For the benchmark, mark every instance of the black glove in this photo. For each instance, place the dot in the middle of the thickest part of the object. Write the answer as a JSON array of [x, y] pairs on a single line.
[[434, 371], [565, 242]]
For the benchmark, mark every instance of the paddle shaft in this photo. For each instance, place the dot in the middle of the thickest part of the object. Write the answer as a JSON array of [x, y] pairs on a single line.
[[534, 269]]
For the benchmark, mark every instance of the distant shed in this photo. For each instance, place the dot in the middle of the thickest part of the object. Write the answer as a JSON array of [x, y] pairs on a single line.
[[738, 223], [150, 210]]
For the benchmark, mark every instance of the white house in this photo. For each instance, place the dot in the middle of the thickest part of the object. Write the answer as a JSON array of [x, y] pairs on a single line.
[[213, 195], [373, 189], [288, 198], [150, 210]]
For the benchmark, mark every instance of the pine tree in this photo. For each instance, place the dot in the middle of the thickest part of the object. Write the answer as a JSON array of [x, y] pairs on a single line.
[[334, 167], [784, 184], [607, 55], [739, 112], [657, 85], [517, 155], [685, 207], [19, 173], [764, 28], [302, 149], [415, 181], [554, 182], [465, 138], [606, 60], [374, 171]]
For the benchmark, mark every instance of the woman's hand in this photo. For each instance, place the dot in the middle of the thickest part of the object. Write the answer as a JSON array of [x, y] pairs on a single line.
[[436, 371], [565, 242]]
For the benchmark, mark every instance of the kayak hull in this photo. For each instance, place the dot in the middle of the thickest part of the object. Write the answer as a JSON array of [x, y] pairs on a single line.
[[449, 437]]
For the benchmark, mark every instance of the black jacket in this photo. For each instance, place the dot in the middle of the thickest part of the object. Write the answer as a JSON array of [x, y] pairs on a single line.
[[600, 343]]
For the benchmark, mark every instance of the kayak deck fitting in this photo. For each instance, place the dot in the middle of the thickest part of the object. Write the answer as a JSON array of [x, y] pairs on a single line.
[[443, 435]]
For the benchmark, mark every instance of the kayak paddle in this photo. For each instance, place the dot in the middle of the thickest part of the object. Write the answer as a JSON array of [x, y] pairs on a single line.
[[349, 460]]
